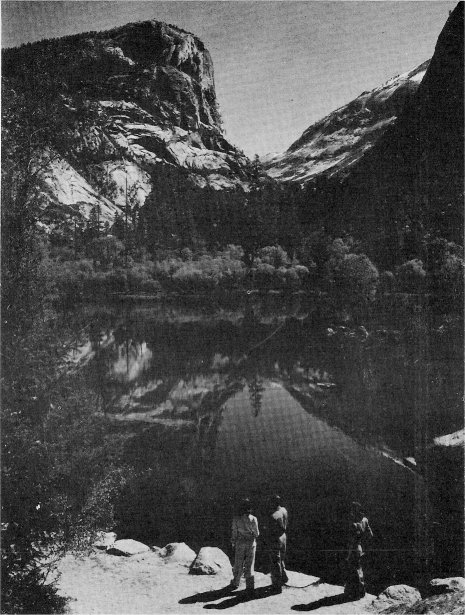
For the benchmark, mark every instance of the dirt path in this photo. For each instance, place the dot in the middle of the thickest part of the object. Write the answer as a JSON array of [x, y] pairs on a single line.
[[144, 583]]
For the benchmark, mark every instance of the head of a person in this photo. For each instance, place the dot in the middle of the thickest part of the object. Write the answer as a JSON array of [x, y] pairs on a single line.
[[275, 502], [245, 507], [356, 511]]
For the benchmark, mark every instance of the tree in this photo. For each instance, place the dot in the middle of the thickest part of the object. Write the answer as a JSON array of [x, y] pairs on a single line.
[[117, 228], [105, 250], [27, 129], [32, 125], [274, 255], [355, 279], [411, 276]]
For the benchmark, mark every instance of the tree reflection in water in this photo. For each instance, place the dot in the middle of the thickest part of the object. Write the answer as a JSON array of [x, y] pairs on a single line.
[[169, 379]]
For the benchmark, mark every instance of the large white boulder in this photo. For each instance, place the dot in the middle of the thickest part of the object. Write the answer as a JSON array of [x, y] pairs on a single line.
[[105, 540], [396, 595], [211, 560], [177, 553], [127, 547]]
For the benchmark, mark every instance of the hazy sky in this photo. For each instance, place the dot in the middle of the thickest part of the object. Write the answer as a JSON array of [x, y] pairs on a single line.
[[279, 66]]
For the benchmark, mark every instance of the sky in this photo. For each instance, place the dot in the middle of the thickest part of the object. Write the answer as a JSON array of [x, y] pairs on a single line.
[[279, 65]]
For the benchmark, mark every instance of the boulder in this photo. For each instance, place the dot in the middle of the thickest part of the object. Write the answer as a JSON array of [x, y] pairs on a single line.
[[177, 553], [445, 586], [104, 540], [211, 560], [127, 547], [396, 595]]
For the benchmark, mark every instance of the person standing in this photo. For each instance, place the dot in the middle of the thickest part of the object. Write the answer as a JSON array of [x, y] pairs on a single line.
[[360, 532], [276, 542], [244, 534]]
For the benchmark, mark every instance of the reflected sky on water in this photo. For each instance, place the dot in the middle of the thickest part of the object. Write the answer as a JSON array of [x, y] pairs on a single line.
[[255, 403]]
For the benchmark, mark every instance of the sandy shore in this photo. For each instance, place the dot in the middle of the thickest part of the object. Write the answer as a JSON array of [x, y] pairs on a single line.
[[103, 583]]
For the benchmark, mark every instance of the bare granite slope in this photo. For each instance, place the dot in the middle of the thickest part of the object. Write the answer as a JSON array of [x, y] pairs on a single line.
[[128, 102], [333, 144]]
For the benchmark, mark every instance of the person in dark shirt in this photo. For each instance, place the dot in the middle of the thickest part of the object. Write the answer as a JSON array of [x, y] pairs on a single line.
[[359, 533], [275, 539]]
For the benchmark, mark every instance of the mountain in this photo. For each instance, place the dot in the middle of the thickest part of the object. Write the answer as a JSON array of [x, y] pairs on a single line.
[[332, 145], [413, 177], [397, 181], [122, 109]]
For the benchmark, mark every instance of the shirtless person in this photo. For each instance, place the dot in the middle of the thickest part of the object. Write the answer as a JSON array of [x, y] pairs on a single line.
[[276, 542]]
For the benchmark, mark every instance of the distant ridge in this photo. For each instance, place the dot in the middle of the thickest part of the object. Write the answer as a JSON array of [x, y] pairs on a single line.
[[332, 145]]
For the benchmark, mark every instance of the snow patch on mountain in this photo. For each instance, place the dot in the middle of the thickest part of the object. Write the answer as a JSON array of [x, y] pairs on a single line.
[[335, 143]]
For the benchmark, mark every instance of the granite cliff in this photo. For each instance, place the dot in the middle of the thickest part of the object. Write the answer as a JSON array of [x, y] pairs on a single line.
[[125, 105], [332, 145], [414, 174]]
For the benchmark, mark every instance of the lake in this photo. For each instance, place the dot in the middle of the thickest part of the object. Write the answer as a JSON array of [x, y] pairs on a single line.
[[263, 398]]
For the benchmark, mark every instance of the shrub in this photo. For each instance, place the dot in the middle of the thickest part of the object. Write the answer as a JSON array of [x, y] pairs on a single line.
[[411, 276], [233, 253], [139, 278], [186, 254], [387, 282], [99, 511], [264, 275], [302, 271], [274, 255], [71, 278], [105, 250], [204, 273], [290, 278], [356, 277], [30, 521]]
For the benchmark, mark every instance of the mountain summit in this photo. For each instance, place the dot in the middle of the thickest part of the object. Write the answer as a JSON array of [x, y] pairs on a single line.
[[128, 104], [389, 165], [330, 146]]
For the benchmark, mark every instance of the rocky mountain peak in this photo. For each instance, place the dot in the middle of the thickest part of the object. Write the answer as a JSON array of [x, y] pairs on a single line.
[[333, 144], [176, 60], [129, 103]]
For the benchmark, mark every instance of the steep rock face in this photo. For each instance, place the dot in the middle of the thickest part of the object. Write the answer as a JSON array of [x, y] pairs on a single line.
[[414, 174], [128, 101], [405, 185], [332, 145]]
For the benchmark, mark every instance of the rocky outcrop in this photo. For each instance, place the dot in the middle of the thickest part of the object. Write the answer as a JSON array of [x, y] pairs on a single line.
[[454, 440], [127, 547], [445, 586], [332, 145], [416, 168], [445, 604], [446, 597], [396, 595], [211, 560], [126, 103], [178, 553], [105, 540]]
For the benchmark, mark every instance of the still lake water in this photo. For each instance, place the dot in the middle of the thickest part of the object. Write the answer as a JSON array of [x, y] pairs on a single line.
[[260, 399]]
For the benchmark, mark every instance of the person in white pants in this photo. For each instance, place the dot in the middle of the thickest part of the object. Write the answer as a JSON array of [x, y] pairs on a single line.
[[244, 536]]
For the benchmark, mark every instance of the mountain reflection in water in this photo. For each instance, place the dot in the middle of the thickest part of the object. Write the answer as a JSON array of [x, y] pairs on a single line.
[[304, 414]]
